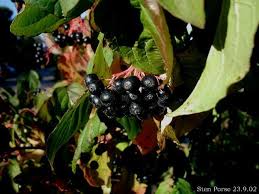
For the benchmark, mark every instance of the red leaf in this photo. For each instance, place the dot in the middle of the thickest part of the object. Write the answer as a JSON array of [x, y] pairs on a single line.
[[147, 138]]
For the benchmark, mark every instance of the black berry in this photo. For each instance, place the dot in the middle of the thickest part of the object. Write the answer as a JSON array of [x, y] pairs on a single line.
[[86, 40], [95, 101], [107, 97], [150, 82], [100, 149], [164, 94], [85, 157], [117, 85], [134, 96], [135, 109], [90, 78], [94, 165], [131, 84], [110, 112], [149, 97], [96, 87], [66, 26]]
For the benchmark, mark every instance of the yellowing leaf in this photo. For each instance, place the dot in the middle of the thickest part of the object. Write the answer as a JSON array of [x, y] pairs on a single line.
[[229, 56], [190, 11]]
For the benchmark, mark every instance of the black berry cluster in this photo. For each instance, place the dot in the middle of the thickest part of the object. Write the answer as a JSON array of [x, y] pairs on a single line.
[[39, 53], [129, 96], [148, 168], [63, 39]]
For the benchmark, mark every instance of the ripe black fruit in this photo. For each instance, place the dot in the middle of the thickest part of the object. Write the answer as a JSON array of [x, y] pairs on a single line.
[[91, 78], [149, 82], [96, 87], [95, 101], [164, 94], [149, 97], [110, 112], [66, 26], [107, 97], [127, 97], [118, 85], [100, 149], [69, 41], [134, 96], [86, 40], [85, 157], [131, 84], [94, 165], [135, 109], [78, 35]]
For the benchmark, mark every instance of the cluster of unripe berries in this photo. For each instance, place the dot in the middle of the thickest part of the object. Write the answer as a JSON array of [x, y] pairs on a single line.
[[39, 53], [129, 96], [76, 38]]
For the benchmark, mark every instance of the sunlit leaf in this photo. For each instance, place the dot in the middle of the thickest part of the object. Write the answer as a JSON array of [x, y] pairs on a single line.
[[144, 55], [74, 7], [182, 187], [102, 175], [190, 11], [99, 65], [93, 128], [74, 91], [35, 20], [228, 60], [166, 186], [13, 170]]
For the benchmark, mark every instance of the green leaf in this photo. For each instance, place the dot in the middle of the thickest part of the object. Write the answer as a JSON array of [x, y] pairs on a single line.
[[122, 146], [166, 186], [144, 55], [93, 128], [147, 56], [190, 11], [74, 91], [102, 175], [63, 97], [13, 170], [135, 3], [58, 9], [74, 7], [182, 187], [73, 120], [28, 81], [169, 186], [60, 100], [68, 5], [99, 65], [12, 99], [229, 57], [40, 99], [44, 112], [108, 55], [47, 5], [34, 20], [131, 125], [153, 20]]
